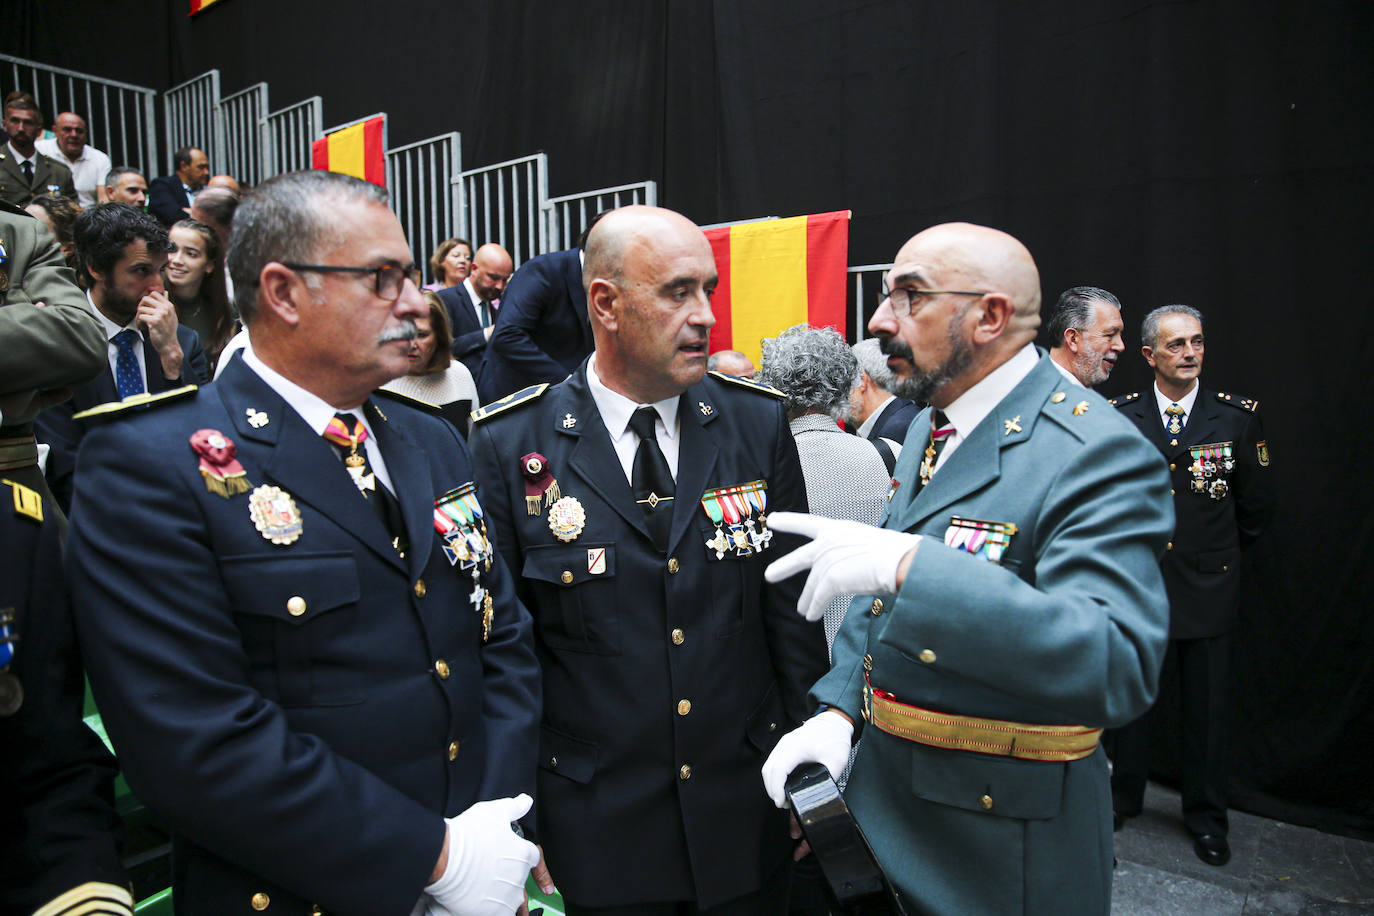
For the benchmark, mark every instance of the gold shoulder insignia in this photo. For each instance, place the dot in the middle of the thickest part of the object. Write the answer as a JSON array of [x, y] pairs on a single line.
[[1235, 400], [27, 502], [1124, 399], [116, 409], [515, 399], [411, 400], [747, 383]]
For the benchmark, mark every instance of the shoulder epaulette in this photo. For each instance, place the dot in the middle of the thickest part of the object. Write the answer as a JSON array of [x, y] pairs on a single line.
[[115, 409], [28, 503], [509, 402], [1123, 400], [409, 399], [747, 383], [1236, 400]]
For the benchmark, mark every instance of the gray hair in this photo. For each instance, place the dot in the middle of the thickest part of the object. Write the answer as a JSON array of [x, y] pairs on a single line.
[[113, 175], [288, 218], [1149, 328], [813, 367], [1075, 310], [872, 360]]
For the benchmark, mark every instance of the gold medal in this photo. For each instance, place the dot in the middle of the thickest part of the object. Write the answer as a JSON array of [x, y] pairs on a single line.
[[275, 515], [567, 518], [488, 612]]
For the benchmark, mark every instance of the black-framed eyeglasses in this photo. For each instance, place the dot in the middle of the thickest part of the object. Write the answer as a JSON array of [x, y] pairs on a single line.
[[903, 299], [388, 279]]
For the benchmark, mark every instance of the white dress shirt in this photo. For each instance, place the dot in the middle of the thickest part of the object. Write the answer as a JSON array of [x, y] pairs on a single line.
[[970, 408], [1066, 373], [88, 171], [616, 409], [112, 348], [1162, 403]]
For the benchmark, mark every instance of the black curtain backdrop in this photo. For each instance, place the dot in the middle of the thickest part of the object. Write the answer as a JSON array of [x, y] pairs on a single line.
[[1210, 153]]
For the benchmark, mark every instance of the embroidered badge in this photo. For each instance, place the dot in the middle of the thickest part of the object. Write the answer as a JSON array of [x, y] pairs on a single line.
[[1262, 450], [596, 561]]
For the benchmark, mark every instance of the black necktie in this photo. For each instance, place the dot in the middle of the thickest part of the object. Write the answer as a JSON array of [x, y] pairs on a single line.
[[347, 434], [650, 477], [28, 172]]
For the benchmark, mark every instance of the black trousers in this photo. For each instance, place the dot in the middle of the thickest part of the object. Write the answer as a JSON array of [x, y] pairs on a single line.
[[768, 900], [1204, 677]]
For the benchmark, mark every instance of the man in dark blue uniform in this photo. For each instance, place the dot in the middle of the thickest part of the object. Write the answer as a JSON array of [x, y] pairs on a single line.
[[1223, 498], [632, 500], [302, 655]]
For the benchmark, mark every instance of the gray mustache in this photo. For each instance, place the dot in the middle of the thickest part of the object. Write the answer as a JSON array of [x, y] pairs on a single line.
[[406, 330]]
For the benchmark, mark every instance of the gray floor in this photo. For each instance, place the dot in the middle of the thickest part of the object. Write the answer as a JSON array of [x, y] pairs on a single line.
[[1275, 868]]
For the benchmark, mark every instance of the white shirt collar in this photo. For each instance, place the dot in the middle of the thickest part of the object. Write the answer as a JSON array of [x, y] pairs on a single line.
[[1186, 402], [969, 409], [21, 158], [1066, 373], [615, 408], [111, 329], [475, 299], [866, 426], [314, 410]]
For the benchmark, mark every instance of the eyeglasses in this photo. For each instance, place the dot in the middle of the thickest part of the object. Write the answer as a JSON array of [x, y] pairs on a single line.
[[903, 299], [389, 279]]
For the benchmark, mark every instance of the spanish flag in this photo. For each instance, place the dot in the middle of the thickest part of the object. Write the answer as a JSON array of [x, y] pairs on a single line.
[[357, 150], [777, 273], [199, 6]]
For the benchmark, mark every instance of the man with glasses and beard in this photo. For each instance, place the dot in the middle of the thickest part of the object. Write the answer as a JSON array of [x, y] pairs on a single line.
[[1009, 609], [302, 642]]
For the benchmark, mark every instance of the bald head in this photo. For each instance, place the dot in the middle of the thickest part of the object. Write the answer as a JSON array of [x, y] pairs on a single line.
[[224, 181], [491, 269], [983, 258], [731, 362]]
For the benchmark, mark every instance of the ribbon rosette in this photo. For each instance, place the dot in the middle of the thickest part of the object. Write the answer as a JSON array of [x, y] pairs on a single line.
[[224, 476], [539, 482]]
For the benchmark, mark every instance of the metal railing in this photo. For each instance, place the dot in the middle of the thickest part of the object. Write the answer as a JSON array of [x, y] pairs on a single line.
[[506, 204], [569, 215], [286, 136], [864, 283], [193, 118], [120, 117], [426, 191], [241, 115]]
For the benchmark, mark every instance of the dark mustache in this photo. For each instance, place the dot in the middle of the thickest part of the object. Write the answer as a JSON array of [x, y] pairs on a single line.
[[893, 346]]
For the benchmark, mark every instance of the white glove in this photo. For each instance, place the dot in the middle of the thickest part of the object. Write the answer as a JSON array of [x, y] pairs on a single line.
[[824, 738], [845, 558], [487, 862]]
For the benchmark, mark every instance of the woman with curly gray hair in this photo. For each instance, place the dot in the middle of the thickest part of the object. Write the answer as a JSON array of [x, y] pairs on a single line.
[[845, 476]]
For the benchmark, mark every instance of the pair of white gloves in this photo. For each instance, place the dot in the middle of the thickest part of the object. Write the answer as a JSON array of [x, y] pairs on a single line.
[[844, 558], [488, 863]]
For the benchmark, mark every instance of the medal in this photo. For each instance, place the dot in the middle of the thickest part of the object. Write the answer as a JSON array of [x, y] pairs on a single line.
[[458, 519], [567, 518], [488, 612], [224, 476], [738, 514], [978, 537], [539, 482], [275, 515]]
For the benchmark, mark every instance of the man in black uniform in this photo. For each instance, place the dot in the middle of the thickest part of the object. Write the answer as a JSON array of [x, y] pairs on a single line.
[[631, 500], [1223, 500]]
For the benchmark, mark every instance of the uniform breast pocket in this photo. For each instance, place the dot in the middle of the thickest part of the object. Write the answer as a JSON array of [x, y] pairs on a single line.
[[575, 596], [736, 576], [298, 617]]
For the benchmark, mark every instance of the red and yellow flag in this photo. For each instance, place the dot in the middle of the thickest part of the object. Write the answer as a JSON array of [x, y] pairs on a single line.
[[198, 6], [777, 273], [357, 150]]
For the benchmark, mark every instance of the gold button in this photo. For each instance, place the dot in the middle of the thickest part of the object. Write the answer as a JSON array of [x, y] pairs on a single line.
[[441, 666], [927, 656], [553, 762], [685, 772], [453, 750], [1169, 546], [986, 802], [1171, 492], [679, 637], [684, 707], [877, 609], [672, 565], [1172, 466], [419, 588], [295, 605], [1058, 397], [1225, 568], [260, 901], [315, 910], [567, 577], [772, 726], [868, 663]]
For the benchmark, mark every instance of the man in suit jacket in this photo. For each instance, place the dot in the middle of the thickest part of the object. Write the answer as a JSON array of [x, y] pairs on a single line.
[[169, 197], [1008, 610], [313, 686], [1223, 496], [26, 173], [473, 304], [669, 666], [122, 252], [542, 332], [1084, 329]]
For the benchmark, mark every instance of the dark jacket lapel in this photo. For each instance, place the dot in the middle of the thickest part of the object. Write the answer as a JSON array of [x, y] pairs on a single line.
[[408, 468], [592, 456], [696, 456]]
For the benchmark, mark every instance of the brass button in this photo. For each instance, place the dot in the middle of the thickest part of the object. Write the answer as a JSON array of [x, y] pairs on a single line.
[[679, 637], [1169, 546], [685, 772], [877, 609], [868, 663], [260, 901], [1225, 568], [672, 565], [315, 910], [684, 707], [927, 656], [986, 802], [453, 750], [1172, 466], [772, 726], [1058, 397], [567, 577], [1171, 492], [420, 588], [441, 667], [295, 605], [553, 762]]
